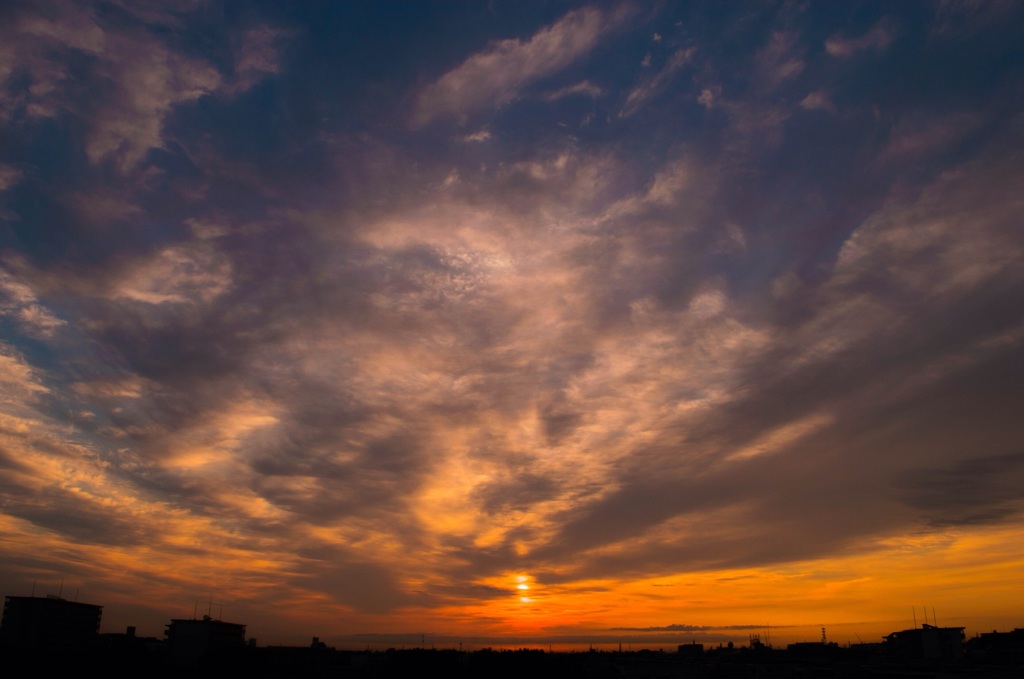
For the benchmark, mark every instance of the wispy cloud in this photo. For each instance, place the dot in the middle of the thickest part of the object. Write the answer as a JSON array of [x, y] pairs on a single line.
[[818, 100], [479, 135], [17, 375], [584, 88], [176, 275], [915, 138], [141, 75], [877, 39], [779, 60], [649, 87], [9, 176], [257, 55], [19, 302], [496, 76], [149, 80]]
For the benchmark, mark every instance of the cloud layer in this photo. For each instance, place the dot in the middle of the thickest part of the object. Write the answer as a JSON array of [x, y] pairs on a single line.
[[686, 312]]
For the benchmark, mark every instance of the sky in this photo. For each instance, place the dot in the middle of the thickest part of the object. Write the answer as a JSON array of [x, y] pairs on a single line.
[[546, 322]]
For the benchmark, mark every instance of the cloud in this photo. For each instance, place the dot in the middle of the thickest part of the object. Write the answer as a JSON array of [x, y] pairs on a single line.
[[958, 260], [50, 480], [497, 75], [377, 373], [19, 302], [479, 135], [9, 176], [900, 281], [668, 187], [877, 39], [29, 39], [707, 98], [141, 77], [65, 23], [149, 81], [916, 138], [17, 376], [651, 86], [779, 60], [818, 100], [176, 275], [755, 128], [980, 490], [257, 55], [583, 88]]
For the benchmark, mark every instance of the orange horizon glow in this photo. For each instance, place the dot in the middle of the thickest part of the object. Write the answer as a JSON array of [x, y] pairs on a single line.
[[951, 578]]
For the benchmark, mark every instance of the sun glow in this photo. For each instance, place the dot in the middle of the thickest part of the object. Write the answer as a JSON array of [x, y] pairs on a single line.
[[522, 588]]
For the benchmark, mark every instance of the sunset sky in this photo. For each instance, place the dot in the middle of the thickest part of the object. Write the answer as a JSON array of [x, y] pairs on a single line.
[[549, 322]]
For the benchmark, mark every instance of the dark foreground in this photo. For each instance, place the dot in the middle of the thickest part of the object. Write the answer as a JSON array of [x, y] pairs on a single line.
[[139, 657]]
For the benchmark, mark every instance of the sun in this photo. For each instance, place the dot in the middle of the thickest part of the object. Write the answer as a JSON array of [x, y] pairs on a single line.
[[523, 587]]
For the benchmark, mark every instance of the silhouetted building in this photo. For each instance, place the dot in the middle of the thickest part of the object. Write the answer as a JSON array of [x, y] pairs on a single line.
[[927, 643], [190, 640], [49, 621], [692, 650], [998, 647]]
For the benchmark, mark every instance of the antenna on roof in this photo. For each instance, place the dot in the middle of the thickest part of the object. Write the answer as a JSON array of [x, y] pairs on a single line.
[[60, 591], [934, 620]]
